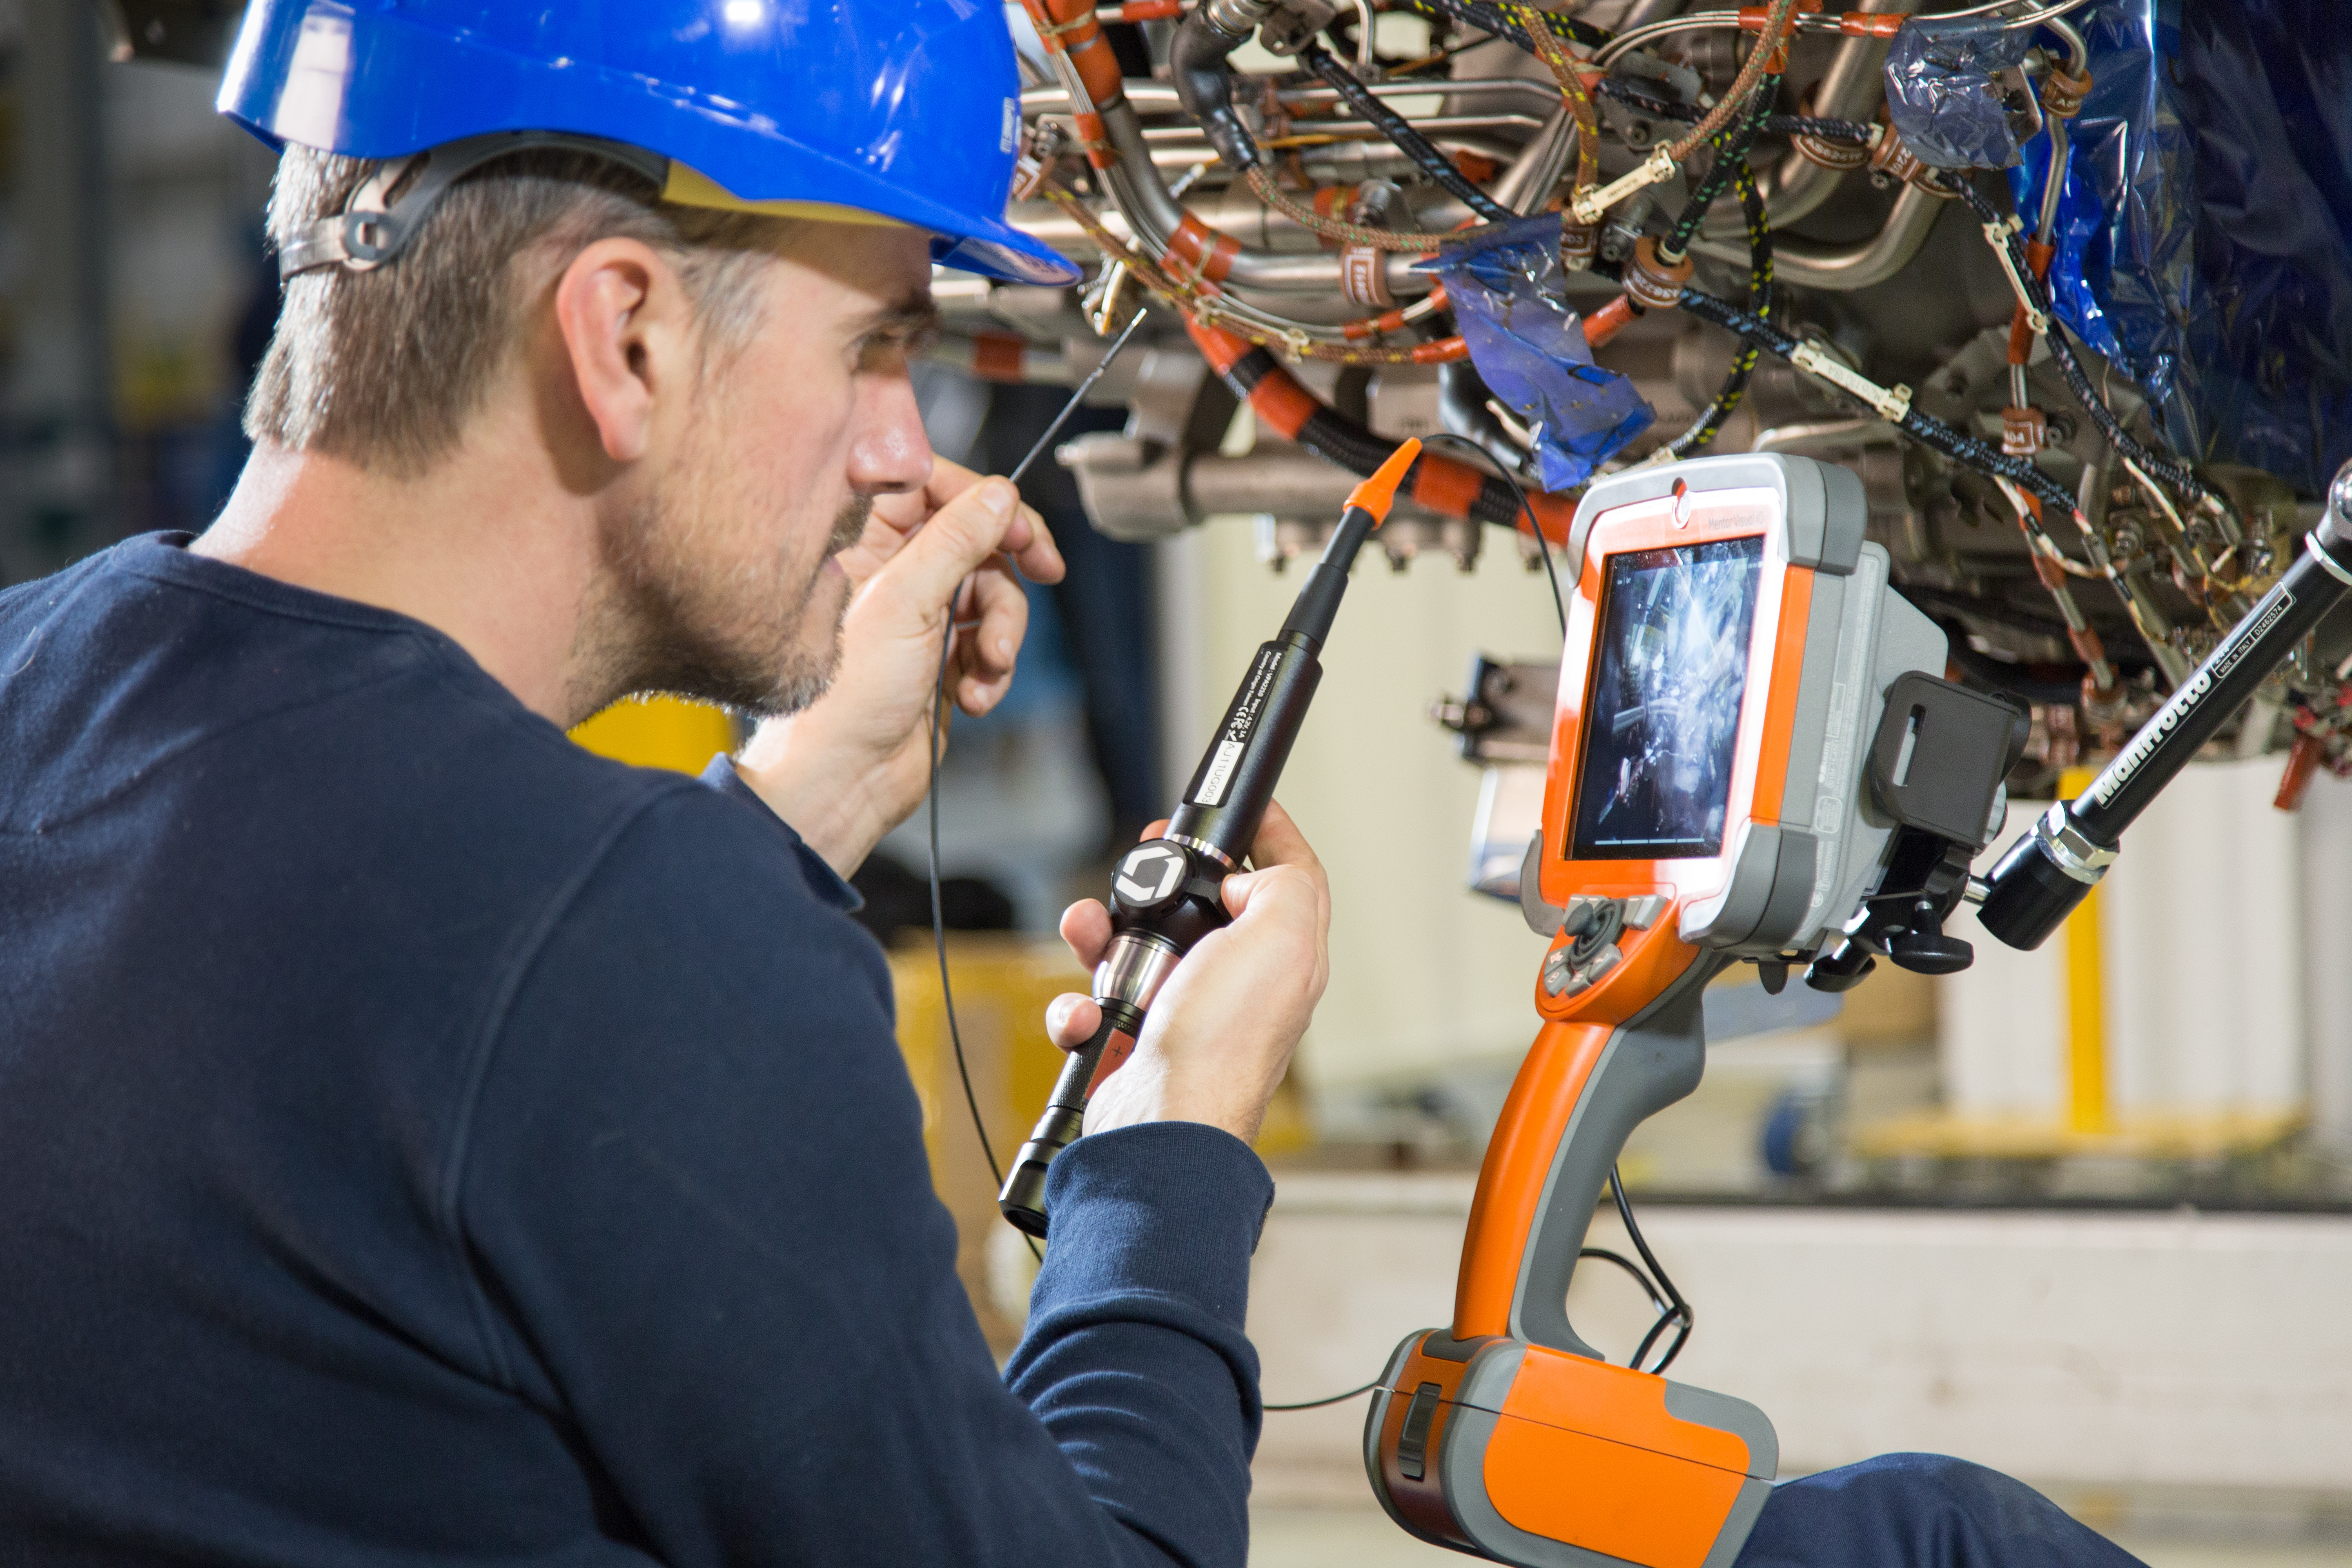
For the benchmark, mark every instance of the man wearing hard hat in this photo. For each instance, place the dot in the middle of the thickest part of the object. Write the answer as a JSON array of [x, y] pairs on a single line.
[[423, 1143]]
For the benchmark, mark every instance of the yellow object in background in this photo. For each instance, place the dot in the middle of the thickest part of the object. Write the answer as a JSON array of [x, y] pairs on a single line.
[[2087, 1002], [659, 732]]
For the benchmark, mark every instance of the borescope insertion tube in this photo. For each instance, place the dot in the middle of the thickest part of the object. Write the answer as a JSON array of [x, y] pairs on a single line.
[[2040, 879], [1166, 893]]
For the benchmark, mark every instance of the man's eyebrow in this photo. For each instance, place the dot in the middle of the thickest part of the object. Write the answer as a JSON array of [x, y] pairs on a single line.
[[913, 315]]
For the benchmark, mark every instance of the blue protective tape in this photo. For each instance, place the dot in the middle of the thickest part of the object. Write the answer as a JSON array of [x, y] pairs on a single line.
[[2204, 234], [1509, 298], [1941, 95]]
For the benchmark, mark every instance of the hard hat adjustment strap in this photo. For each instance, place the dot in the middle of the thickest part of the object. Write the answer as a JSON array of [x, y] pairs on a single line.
[[369, 233]]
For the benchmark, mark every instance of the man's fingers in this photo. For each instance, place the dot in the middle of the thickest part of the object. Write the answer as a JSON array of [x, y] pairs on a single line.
[[949, 548], [1085, 926], [1071, 1020], [1157, 830], [1031, 544], [985, 652], [907, 511], [1279, 842]]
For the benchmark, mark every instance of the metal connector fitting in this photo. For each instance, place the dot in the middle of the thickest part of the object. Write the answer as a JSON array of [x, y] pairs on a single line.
[[1651, 282], [2069, 848]]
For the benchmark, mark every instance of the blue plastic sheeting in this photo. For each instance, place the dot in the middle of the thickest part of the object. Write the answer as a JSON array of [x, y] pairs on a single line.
[[1940, 92], [2205, 229], [1509, 297]]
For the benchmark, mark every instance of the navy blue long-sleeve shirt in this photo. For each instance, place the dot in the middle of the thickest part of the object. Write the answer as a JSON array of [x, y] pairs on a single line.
[[423, 1143]]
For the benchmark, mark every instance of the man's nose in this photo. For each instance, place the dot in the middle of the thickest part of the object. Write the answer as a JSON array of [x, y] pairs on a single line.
[[890, 452]]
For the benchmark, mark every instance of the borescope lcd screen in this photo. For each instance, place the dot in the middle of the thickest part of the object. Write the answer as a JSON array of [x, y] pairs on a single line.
[[1661, 720]]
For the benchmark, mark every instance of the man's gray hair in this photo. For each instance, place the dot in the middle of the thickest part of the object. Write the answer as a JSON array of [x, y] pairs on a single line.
[[383, 368]]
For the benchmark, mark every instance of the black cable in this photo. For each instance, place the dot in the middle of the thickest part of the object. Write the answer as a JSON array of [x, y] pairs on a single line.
[[1730, 162], [1519, 491], [1411, 142], [1648, 1287], [2070, 365], [1677, 1309], [938, 716], [1821, 126], [1336, 439], [1493, 19], [1925, 428], [1710, 423], [1333, 1399]]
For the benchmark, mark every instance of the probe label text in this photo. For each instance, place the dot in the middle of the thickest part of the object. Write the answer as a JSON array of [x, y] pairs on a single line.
[[1241, 723]]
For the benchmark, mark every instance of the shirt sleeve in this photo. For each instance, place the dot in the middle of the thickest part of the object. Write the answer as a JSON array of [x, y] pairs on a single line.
[[695, 1209]]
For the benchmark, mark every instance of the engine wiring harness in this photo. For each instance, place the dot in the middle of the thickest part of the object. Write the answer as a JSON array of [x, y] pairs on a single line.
[[2143, 533]]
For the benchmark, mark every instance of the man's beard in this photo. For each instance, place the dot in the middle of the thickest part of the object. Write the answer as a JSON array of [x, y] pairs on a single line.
[[671, 620]]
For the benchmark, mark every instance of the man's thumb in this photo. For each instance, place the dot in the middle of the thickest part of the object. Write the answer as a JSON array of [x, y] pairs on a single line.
[[954, 543]]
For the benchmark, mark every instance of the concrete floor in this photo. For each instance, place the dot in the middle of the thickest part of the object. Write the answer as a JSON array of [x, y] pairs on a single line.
[[1338, 1538]]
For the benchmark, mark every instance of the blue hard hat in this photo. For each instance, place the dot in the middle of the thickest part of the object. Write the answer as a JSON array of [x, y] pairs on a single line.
[[906, 110]]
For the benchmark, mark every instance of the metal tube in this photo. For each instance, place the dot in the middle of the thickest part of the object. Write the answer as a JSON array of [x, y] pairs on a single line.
[[1846, 266], [1151, 97], [1525, 186], [1849, 89]]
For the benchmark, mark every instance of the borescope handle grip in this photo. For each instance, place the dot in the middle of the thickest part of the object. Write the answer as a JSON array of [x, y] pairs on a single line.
[[1023, 1198]]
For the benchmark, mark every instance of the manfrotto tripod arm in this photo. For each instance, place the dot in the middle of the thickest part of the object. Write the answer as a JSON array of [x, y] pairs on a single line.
[[2040, 879]]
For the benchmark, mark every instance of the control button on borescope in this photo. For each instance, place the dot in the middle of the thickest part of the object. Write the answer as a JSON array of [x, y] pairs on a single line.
[[1149, 875]]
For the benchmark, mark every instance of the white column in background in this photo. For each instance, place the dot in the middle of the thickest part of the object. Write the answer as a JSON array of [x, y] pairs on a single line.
[[2204, 962], [2000, 1023], [2326, 832], [2205, 927]]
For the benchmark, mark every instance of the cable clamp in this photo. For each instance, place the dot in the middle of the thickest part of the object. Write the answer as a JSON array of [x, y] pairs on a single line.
[[1589, 205], [1998, 234], [1893, 404]]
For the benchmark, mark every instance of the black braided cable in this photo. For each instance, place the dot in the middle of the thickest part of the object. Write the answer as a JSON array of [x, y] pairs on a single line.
[[1411, 142], [2070, 365], [1926, 429], [1633, 97], [1730, 160], [1493, 19], [1760, 302]]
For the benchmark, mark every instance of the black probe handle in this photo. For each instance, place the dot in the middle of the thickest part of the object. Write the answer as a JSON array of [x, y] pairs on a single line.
[[1212, 829], [2043, 877], [1022, 1199]]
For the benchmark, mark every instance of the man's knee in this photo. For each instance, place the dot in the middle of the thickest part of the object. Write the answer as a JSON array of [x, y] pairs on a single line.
[[1917, 1510]]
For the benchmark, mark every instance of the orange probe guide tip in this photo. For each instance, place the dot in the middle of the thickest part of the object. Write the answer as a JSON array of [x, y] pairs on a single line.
[[1377, 493]]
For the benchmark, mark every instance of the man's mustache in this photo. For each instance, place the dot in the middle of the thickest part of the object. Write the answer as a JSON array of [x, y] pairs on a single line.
[[849, 524]]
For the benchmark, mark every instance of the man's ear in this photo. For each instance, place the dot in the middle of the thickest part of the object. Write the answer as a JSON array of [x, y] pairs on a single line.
[[622, 315]]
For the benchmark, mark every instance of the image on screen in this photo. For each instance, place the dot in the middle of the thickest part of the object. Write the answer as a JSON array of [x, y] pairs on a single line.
[[1662, 719]]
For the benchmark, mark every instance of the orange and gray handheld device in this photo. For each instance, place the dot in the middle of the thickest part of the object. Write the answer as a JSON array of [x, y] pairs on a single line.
[[1750, 760], [1167, 892]]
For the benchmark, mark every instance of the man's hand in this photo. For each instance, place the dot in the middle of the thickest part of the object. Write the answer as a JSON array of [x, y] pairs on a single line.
[[853, 765], [1220, 1034]]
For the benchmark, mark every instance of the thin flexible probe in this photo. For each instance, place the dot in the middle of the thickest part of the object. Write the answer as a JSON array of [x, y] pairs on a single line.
[[939, 745], [1076, 397], [939, 916], [1558, 603]]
